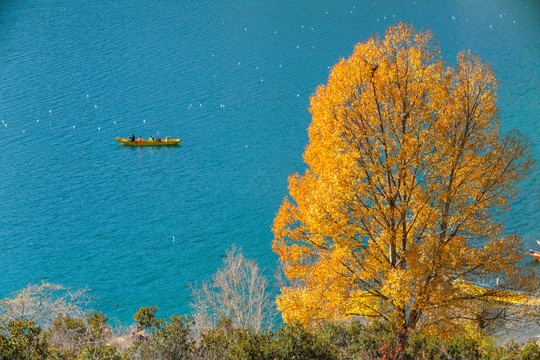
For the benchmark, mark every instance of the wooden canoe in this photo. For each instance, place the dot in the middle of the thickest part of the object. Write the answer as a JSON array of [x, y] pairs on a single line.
[[534, 254], [148, 143]]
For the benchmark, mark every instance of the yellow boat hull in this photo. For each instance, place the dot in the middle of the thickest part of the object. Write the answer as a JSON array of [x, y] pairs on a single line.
[[503, 296], [148, 143]]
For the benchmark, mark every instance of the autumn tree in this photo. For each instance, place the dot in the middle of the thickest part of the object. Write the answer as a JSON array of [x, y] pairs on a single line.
[[408, 179]]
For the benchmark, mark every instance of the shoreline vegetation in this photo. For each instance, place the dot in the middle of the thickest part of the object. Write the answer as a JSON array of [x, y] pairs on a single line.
[[232, 318], [383, 242], [49, 321]]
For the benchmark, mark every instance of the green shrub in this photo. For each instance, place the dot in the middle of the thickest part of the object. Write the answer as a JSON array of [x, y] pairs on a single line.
[[510, 351], [21, 340], [227, 342], [145, 318], [98, 352], [168, 340], [372, 341], [294, 342], [97, 325], [174, 341], [339, 336], [71, 328], [462, 347], [531, 351], [81, 338], [421, 346]]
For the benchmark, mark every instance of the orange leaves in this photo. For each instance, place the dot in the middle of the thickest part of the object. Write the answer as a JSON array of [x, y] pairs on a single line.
[[407, 170]]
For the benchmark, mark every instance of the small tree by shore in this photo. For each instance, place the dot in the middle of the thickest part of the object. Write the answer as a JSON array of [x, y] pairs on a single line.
[[238, 291]]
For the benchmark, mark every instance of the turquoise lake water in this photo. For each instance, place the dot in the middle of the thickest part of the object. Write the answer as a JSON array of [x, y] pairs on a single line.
[[233, 79]]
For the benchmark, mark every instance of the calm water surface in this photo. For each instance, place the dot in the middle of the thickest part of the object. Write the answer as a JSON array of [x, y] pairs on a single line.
[[233, 79]]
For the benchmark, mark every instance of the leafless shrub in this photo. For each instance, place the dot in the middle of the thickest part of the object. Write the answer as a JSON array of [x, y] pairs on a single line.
[[237, 291], [522, 321], [43, 303], [70, 334]]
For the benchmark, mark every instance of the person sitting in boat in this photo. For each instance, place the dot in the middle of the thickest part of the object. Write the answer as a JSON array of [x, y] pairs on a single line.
[[132, 138], [167, 138], [158, 139], [151, 139], [139, 139]]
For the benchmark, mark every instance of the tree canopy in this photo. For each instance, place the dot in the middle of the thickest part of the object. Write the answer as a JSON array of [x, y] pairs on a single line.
[[408, 179]]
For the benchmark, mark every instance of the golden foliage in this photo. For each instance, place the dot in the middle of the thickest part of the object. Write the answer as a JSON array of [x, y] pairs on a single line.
[[408, 176]]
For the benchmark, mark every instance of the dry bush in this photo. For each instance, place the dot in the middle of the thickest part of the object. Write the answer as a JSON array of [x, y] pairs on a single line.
[[72, 334], [237, 291], [43, 303]]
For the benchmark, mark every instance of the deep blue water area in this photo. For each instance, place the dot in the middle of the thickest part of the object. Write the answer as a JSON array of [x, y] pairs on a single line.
[[233, 79]]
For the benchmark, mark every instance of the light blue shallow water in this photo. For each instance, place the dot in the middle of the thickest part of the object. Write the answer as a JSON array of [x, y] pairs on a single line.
[[233, 79]]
